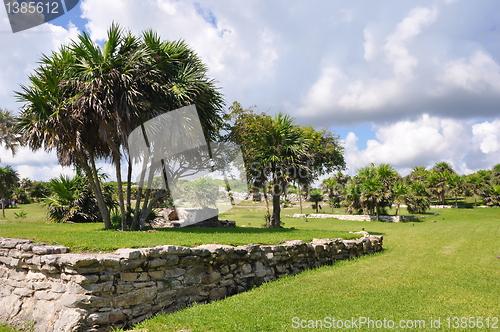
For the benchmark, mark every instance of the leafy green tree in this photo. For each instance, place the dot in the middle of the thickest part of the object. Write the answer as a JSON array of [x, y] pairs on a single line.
[[476, 183], [438, 181], [9, 180], [374, 186], [334, 187], [38, 191], [278, 151], [418, 198], [352, 197], [456, 184], [492, 195], [84, 100], [316, 196], [204, 191], [418, 173]]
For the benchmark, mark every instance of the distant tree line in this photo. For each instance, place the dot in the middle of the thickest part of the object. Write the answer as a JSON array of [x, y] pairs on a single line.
[[377, 187]]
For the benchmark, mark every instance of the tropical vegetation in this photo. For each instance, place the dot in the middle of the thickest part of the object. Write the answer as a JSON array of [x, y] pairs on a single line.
[[85, 99], [278, 152]]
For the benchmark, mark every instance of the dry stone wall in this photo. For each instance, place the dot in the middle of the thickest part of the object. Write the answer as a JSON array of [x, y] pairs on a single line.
[[52, 290]]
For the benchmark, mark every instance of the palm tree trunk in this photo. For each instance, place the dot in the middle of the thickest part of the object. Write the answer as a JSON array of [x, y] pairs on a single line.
[[300, 198], [278, 189], [91, 172], [129, 188], [275, 220], [268, 215], [121, 199]]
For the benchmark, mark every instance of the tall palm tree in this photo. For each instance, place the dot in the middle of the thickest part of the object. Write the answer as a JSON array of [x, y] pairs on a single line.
[[285, 147], [438, 184], [400, 194], [456, 185], [8, 137], [85, 99], [51, 120], [418, 200], [9, 179]]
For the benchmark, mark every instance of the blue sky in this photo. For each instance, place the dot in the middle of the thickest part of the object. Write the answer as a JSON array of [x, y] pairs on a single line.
[[405, 83]]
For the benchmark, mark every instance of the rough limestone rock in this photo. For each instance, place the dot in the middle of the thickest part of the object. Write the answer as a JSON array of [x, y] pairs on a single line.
[[52, 290]]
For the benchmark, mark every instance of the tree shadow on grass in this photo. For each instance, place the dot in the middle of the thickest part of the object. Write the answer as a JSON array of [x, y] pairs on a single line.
[[238, 230]]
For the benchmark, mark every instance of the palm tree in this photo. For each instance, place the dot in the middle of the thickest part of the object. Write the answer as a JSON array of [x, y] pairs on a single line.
[[474, 184], [9, 179], [375, 183], [84, 100], [418, 200], [285, 147], [400, 191], [438, 185], [491, 195], [352, 196], [72, 200], [443, 166], [316, 196], [418, 173], [333, 187], [52, 120], [8, 137], [456, 185]]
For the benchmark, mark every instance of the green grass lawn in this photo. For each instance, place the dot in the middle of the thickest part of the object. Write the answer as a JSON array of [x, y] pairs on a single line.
[[428, 270], [92, 236]]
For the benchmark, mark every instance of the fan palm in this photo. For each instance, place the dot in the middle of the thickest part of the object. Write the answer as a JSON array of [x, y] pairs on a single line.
[[85, 99], [9, 179], [8, 137]]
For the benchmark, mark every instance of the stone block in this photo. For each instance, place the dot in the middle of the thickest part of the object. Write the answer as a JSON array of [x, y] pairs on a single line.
[[187, 291], [217, 293], [99, 288], [131, 264], [136, 297], [23, 292], [197, 269], [175, 250], [211, 277], [138, 285], [70, 320], [174, 273], [189, 261], [158, 262], [246, 268], [85, 279], [202, 252], [101, 318], [46, 295], [259, 270], [156, 275], [171, 260], [124, 288], [134, 276], [192, 279], [227, 282], [49, 250], [116, 316], [166, 295], [129, 253], [141, 310], [58, 287]]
